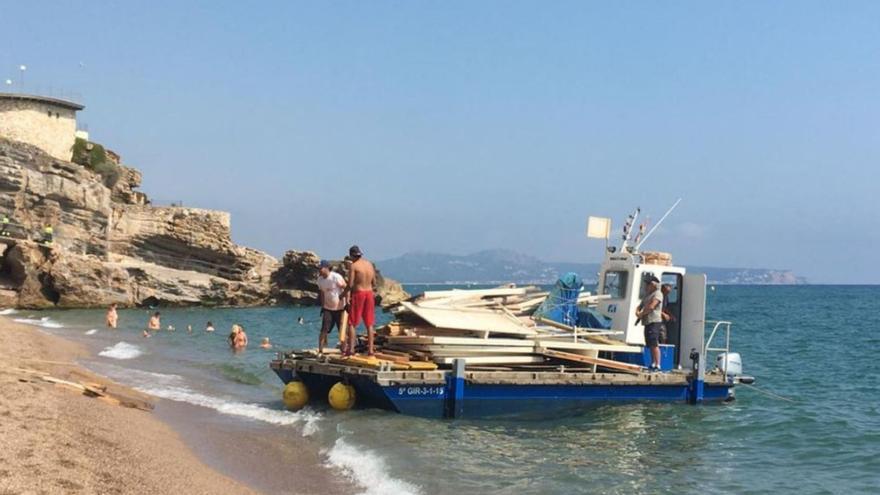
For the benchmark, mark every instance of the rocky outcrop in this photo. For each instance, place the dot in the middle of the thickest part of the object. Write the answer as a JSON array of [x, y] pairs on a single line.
[[296, 281], [111, 246]]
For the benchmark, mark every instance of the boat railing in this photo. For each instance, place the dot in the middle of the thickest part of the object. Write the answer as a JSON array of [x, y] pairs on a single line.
[[725, 327]]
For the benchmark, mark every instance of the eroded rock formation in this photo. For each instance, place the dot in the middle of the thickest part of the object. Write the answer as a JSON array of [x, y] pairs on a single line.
[[112, 246], [295, 281]]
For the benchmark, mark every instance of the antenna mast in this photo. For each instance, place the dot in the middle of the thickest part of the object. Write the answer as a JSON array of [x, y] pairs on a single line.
[[658, 223]]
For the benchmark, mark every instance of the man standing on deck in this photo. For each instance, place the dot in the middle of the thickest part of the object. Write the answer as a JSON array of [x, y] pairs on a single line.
[[330, 285], [361, 277], [650, 311]]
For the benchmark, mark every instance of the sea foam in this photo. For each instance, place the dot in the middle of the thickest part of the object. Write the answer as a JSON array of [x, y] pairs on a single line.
[[308, 419], [44, 322], [121, 350], [367, 469], [6, 312], [92, 331]]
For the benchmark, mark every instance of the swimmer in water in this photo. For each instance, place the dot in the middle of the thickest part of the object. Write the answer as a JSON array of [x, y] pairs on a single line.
[[301, 320], [189, 329], [209, 327], [266, 344], [112, 316], [237, 338], [155, 322]]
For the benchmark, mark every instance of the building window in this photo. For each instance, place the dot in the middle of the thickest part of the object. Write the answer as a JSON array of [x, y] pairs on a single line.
[[57, 115], [50, 114]]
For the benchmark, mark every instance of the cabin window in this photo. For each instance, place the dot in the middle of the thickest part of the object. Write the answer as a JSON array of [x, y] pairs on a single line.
[[615, 284]]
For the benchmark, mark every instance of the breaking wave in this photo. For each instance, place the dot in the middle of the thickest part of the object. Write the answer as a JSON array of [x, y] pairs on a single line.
[[367, 469], [44, 322], [92, 331], [121, 350], [6, 312], [308, 419]]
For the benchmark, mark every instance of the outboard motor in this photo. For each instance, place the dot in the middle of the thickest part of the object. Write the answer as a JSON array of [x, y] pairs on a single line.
[[733, 363]]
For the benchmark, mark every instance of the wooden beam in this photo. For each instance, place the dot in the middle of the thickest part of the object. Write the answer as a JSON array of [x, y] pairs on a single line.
[[492, 359], [607, 363]]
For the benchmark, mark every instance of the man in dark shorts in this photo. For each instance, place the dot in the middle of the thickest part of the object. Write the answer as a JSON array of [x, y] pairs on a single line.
[[650, 312], [330, 288]]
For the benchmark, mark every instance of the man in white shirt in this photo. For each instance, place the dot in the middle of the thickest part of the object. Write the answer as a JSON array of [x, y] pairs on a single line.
[[650, 312], [330, 285]]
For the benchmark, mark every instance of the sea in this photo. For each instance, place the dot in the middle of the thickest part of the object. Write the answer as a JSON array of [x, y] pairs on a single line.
[[810, 424]]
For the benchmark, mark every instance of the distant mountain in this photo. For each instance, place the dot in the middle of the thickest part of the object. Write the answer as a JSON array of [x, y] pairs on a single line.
[[502, 265]]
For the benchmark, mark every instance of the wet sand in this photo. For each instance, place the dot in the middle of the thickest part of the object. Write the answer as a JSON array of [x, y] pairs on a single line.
[[268, 458], [56, 440]]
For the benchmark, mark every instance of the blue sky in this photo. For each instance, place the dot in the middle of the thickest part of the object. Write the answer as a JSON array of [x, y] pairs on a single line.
[[459, 126]]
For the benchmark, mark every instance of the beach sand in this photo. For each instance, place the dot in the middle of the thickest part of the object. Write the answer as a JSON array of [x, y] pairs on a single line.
[[56, 440]]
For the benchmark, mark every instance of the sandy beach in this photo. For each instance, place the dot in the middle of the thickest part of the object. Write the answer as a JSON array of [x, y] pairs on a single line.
[[54, 439]]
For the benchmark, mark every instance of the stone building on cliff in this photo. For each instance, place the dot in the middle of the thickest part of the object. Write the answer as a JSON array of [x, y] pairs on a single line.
[[47, 123]]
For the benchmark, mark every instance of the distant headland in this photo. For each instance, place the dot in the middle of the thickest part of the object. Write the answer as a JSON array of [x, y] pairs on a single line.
[[502, 265]]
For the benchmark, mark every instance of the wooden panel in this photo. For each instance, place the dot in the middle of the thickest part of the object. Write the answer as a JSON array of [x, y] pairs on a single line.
[[476, 293], [493, 360], [469, 319], [460, 341], [567, 356]]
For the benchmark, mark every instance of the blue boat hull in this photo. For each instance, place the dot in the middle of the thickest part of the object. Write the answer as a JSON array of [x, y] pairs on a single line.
[[491, 401]]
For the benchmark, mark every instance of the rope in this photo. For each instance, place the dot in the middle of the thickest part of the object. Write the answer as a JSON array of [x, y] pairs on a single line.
[[769, 394]]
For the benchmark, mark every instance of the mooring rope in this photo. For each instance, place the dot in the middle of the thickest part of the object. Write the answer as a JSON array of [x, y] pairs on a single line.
[[769, 394]]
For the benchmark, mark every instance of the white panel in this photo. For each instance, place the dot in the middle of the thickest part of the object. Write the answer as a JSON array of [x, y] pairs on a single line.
[[599, 227], [693, 319]]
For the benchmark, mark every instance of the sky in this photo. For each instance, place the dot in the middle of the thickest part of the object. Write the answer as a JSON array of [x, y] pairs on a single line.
[[461, 126]]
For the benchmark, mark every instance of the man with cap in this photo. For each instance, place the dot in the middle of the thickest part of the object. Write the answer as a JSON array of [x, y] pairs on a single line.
[[361, 278], [650, 312], [330, 288]]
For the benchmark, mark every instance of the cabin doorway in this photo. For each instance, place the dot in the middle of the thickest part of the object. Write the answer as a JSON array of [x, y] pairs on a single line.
[[671, 286]]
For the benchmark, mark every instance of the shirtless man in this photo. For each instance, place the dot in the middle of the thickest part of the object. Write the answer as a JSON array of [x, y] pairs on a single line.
[[361, 278], [155, 323], [112, 316]]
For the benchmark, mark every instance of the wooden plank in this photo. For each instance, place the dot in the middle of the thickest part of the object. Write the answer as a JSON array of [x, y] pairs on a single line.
[[473, 293], [607, 363], [464, 349], [406, 340], [392, 357], [493, 360], [470, 319], [585, 346], [422, 365]]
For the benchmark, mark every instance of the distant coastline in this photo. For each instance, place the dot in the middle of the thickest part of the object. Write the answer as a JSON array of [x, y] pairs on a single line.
[[501, 266]]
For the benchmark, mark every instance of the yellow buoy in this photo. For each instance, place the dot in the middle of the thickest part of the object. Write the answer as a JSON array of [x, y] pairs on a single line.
[[295, 395], [341, 397]]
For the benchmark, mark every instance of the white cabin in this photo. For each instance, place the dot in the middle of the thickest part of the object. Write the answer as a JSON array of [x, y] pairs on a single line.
[[622, 281]]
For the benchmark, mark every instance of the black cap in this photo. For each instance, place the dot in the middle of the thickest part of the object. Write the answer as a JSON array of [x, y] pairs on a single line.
[[355, 252], [652, 279]]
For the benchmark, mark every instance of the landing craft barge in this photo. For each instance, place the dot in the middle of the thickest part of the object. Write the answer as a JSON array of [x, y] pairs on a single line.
[[574, 352]]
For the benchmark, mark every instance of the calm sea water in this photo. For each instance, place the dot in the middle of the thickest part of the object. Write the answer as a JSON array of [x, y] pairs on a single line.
[[812, 425]]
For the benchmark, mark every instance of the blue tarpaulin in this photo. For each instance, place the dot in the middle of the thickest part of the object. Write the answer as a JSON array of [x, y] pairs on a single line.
[[561, 304]]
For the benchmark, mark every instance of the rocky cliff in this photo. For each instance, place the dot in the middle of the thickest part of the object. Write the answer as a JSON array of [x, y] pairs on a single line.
[[110, 245], [295, 281]]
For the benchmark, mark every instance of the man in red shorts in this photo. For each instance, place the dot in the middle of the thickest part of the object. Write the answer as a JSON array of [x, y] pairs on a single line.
[[361, 277]]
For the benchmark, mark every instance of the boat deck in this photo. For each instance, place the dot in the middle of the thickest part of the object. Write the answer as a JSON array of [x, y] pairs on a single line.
[[558, 376]]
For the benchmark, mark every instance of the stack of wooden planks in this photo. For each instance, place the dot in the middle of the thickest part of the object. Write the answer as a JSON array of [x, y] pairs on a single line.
[[491, 327]]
